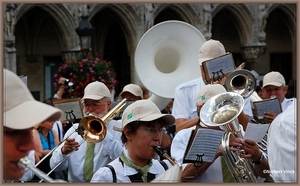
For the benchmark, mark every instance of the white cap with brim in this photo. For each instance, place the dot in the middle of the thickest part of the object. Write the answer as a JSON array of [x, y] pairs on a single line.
[[21, 110], [273, 78], [211, 49], [209, 91], [133, 89], [144, 110], [96, 91]]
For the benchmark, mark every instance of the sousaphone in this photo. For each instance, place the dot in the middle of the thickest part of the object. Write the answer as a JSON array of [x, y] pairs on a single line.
[[166, 56]]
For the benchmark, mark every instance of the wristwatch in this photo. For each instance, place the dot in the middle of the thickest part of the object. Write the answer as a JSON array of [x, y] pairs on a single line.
[[261, 159]]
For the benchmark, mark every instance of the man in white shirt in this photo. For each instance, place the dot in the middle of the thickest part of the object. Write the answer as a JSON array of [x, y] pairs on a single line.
[[212, 171], [282, 145], [274, 85], [96, 101], [184, 107]]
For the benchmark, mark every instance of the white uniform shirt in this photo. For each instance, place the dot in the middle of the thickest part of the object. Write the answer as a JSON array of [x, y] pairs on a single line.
[[213, 172], [104, 174], [184, 105], [104, 152], [287, 102], [282, 146]]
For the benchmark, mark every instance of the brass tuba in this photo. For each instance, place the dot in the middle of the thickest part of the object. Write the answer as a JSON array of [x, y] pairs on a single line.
[[222, 110]]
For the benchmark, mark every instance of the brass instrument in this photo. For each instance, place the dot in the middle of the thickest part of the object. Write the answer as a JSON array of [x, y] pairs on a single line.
[[241, 81], [167, 56], [222, 110], [160, 151], [91, 128], [25, 162]]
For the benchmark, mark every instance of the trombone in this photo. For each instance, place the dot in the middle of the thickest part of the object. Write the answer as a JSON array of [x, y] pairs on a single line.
[[91, 128]]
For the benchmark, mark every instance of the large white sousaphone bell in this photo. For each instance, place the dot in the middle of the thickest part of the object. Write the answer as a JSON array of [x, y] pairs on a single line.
[[166, 56]]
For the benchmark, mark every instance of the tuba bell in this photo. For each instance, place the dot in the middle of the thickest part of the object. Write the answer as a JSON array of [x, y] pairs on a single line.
[[166, 56], [222, 110]]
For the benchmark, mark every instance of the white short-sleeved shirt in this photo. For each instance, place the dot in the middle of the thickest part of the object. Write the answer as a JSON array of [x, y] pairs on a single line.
[[282, 145], [123, 172], [105, 152], [184, 105]]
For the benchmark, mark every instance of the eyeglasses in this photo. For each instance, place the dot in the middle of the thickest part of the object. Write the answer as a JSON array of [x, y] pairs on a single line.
[[93, 105], [152, 131]]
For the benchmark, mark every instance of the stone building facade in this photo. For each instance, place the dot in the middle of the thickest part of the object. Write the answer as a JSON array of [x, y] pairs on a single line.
[[39, 37]]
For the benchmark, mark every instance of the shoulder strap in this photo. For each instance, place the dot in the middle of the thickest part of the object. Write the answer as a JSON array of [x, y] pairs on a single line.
[[164, 164], [113, 173]]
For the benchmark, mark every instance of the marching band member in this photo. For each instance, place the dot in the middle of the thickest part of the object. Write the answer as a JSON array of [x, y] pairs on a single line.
[[274, 85], [212, 171], [21, 113], [142, 129], [96, 101], [184, 108], [282, 145]]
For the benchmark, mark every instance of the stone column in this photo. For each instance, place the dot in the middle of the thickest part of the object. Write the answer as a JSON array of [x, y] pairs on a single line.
[[252, 52]]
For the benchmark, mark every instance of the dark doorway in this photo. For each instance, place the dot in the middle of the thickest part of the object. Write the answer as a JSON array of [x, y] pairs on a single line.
[[282, 62]]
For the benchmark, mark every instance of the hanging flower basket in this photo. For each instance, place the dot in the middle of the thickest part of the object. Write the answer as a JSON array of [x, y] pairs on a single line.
[[84, 71]]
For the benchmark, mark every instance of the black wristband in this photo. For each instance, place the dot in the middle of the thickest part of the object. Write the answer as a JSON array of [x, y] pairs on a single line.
[[261, 159]]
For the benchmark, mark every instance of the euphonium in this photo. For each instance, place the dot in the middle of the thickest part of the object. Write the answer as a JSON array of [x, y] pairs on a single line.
[[240, 81], [222, 110]]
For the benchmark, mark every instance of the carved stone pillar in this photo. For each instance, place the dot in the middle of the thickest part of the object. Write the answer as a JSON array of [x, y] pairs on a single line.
[[10, 55], [252, 52]]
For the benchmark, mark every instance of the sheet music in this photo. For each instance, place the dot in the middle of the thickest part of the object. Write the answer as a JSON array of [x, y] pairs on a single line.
[[255, 131], [205, 144]]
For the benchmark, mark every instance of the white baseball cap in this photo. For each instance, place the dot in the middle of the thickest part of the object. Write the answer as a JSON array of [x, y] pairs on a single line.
[[133, 89], [208, 91], [21, 110], [273, 78], [211, 49], [144, 110], [96, 91]]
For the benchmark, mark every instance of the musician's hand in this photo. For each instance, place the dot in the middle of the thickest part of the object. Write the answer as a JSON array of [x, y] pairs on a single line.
[[269, 117], [235, 143], [251, 150], [69, 146]]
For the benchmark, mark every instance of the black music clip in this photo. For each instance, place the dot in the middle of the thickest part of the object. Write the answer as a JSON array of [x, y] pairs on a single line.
[[70, 116], [218, 75], [198, 161]]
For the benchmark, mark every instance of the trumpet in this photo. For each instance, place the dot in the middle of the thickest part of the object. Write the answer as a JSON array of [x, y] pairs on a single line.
[[91, 128]]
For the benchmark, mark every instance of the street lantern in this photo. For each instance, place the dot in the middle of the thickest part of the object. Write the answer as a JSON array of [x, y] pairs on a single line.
[[85, 32]]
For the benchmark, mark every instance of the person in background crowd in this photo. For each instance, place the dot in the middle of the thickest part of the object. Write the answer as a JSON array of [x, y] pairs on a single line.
[[45, 139], [274, 86], [184, 108], [21, 113], [97, 102], [212, 171], [142, 130], [282, 146], [59, 125]]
